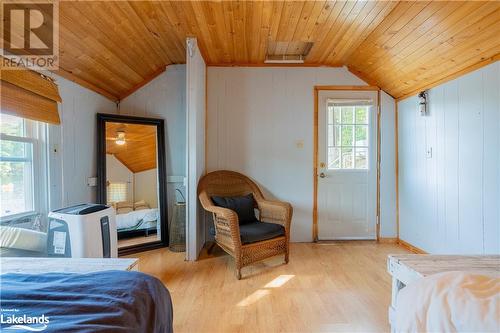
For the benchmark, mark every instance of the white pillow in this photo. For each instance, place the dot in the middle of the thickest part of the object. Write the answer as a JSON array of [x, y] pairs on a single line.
[[124, 207], [23, 239], [139, 205]]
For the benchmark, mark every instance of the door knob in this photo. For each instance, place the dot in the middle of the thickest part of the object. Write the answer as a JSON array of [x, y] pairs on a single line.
[[322, 175]]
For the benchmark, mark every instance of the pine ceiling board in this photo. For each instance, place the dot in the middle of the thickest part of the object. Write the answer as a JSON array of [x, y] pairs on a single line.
[[354, 31], [386, 8], [115, 46], [346, 19], [482, 51], [409, 46], [139, 152], [419, 37], [483, 31], [90, 24], [313, 16], [160, 30], [326, 31]]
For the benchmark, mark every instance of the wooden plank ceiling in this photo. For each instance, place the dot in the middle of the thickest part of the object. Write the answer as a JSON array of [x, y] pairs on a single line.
[[401, 46], [139, 151]]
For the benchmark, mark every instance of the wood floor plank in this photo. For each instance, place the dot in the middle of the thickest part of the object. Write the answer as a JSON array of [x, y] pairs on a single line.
[[340, 286]]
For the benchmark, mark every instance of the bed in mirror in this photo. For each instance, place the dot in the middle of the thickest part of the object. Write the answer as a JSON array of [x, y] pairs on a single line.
[[131, 179]]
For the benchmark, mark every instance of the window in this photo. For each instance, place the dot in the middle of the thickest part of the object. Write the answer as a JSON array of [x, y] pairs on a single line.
[[117, 192], [22, 167], [348, 133]]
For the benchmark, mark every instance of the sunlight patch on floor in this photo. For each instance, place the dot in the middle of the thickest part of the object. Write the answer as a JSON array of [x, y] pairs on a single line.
[[254, 297], [279, 281]]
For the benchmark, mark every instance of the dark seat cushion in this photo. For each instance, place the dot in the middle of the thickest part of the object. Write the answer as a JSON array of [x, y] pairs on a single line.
[[243, 206], [259, 231]]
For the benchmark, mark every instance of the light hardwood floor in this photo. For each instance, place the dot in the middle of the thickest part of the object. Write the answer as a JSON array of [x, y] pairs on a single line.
[[137, 240], [330, 287]]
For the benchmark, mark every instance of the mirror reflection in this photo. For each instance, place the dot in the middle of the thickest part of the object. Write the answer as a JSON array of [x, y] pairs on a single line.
[[132, 181]]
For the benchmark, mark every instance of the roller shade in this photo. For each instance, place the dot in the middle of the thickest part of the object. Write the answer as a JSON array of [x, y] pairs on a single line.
[[30, 95]]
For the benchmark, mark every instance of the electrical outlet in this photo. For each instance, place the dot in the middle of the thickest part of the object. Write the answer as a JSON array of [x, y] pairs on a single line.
[[92, 181]]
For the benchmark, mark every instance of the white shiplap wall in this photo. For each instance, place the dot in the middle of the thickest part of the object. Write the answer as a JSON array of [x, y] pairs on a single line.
[[256, 117], [195, 106], [72, 145], [165, 98], [450, 200]]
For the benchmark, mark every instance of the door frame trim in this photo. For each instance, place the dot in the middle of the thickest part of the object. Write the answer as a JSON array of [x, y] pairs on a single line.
[[316, 91]]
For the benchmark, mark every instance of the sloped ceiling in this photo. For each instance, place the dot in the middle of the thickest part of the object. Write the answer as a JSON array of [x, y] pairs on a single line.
[[139, 151], [401, 46]]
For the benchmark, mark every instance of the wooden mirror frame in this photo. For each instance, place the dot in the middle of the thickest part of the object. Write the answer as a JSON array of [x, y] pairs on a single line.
[[102, 119]]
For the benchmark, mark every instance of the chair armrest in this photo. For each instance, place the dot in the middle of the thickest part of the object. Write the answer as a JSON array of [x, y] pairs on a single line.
[[276, 212], [227, 228]]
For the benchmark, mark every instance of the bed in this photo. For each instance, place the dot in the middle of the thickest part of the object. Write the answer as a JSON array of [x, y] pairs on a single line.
[[444, 293], [105, 301], [137, 220]]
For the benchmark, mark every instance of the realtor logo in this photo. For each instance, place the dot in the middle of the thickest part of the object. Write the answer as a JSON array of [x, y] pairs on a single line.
[[30, 34]]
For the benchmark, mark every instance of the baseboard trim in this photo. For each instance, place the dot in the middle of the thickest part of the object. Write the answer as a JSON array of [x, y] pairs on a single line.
[[388, 240], [410, 247]]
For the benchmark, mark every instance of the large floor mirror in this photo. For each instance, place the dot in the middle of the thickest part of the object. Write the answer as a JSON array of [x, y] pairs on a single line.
[[132, 178]]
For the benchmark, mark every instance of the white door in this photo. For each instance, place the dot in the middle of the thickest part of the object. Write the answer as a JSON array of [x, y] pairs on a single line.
[[347, 171]]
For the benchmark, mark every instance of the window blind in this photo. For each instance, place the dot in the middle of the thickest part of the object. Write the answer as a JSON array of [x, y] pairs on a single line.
[[29, 95]]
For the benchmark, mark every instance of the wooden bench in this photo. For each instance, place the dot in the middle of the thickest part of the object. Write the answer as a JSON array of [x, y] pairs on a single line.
[[66, 265], [406, 268]]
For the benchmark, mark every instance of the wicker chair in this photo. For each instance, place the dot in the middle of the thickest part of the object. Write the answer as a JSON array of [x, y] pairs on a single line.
[[227, 231]]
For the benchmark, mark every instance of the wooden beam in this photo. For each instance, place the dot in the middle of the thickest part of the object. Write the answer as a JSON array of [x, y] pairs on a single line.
[[70, 76], [148, 79], [462, 72]]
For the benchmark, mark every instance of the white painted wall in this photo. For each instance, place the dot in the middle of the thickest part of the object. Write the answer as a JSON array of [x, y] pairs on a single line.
[[256, 116], [73, 144], [450, 202], [146, 187], [195, 96], [165, 98], [388, 227], [117, 172]]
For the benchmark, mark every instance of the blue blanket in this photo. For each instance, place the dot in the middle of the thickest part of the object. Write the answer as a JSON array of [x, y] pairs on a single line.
[[109, 301]]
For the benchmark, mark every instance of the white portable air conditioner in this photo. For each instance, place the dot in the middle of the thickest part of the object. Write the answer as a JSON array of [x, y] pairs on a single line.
[[82, 231]]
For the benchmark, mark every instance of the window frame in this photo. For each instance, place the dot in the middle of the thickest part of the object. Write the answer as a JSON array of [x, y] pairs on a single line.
[[34, 133]]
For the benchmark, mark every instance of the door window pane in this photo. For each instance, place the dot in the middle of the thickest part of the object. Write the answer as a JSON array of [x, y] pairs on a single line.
[[348, 137], [361, 115], [333, 158], [361, 135], [361, 160], [347, 158], [347, 134], [347, 115]]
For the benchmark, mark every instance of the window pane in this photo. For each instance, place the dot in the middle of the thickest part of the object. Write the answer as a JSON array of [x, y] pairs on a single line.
[[15, 149], [333, 158], [17, 187], [117, 192], [330, 114], [362, 135], [361, 158], [11, 125], [361, 115], [347, 115], [347, 158], [336, 131], [337, 115], [330, 135], [347, 134]]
